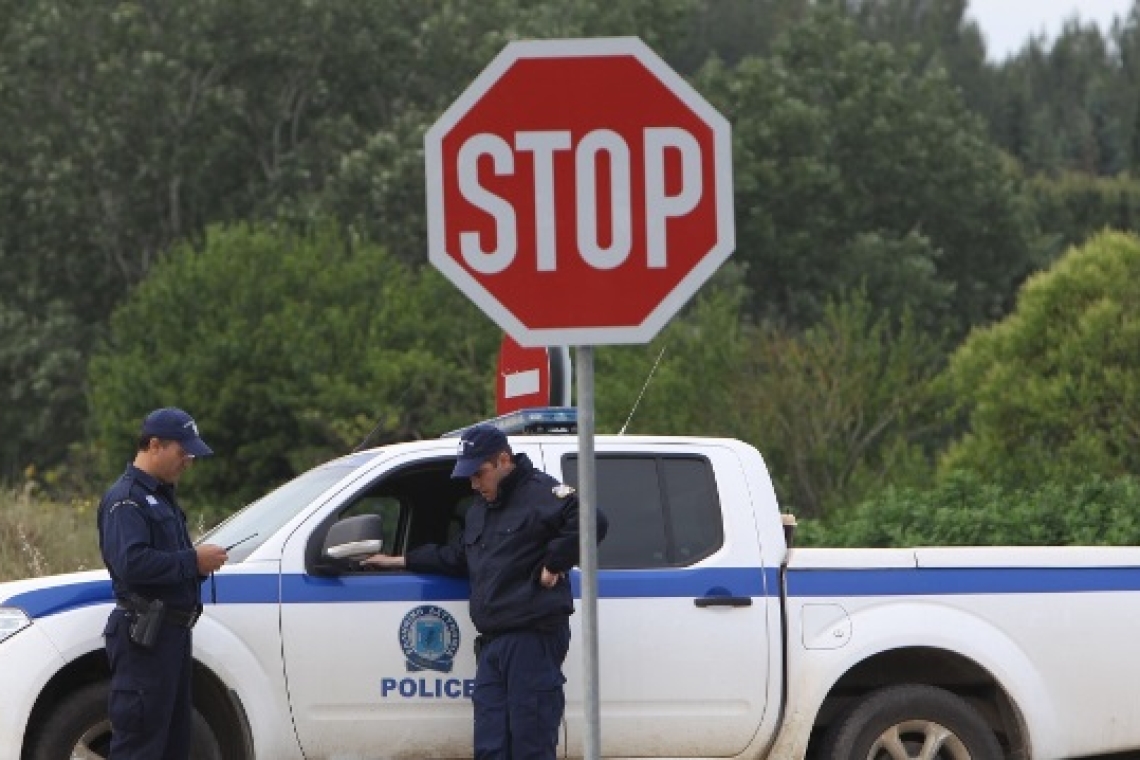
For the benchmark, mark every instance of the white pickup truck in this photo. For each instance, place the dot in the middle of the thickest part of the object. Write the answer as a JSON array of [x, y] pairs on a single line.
[[715, 639]]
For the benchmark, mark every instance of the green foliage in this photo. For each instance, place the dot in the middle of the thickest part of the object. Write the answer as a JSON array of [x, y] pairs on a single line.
[[841, 408], [378, 182], [1072, 207], [379, 188], [857, 167], [1053, 392], [40, 367], [1068, 105], [132, 126], [730, 30], [939, 32], [853, 169], [967, 510], [288, 349], [690, 390], [838, 410]]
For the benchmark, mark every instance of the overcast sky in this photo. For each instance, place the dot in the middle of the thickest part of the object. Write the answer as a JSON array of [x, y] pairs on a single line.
[[1007, 24]]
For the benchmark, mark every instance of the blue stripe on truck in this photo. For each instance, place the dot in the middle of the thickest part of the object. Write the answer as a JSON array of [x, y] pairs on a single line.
[[260, 588], [612, 584], [49, 601], [961, 580]]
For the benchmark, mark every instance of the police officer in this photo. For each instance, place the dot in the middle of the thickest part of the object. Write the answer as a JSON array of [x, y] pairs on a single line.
[[156, 573], [519, 541]]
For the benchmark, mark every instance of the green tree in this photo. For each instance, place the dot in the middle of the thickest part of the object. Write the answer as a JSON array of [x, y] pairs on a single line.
[[1053, 391], [1067, 104], [681, 383], [1072, 207], [378, 182], [151, 121], [132, 126], [40, 367], [838, 142], [1126, 38], [839, 409], [731, 30], [289, 348], [940, 35]]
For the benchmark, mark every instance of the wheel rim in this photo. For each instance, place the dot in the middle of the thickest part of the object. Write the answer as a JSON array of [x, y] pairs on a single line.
[[94, 744], [918, 740]]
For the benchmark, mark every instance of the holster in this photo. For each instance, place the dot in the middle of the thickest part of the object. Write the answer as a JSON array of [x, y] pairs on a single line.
[[147, 623]]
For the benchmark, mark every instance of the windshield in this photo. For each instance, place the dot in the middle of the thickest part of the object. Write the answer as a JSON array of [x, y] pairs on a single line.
[[254, 524]]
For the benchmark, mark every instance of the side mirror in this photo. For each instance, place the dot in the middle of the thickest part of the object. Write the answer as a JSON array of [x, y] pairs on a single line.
[[354, 537]]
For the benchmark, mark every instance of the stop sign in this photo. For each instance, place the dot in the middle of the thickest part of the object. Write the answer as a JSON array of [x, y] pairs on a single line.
[[579, 192]]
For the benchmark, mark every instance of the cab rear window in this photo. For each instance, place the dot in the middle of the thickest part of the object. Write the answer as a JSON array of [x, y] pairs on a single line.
[[663, 511]]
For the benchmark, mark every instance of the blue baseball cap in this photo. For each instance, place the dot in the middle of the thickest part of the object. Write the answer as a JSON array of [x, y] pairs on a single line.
[[478, 444], [172, 424]]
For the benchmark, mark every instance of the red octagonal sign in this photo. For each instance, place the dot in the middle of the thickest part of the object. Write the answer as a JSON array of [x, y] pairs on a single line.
[[579, 192]]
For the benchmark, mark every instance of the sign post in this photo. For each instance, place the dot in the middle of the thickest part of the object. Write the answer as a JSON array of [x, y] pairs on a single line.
[[580, 192]]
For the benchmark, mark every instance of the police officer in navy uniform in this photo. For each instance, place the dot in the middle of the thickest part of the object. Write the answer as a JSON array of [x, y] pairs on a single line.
[[156, 574], [519, 541]]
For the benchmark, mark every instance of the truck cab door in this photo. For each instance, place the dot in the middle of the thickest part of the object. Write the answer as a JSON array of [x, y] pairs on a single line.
[[380, 663], [687, 614]]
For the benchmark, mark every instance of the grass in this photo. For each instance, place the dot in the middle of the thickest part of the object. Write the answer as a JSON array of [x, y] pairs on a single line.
[[43, 537]]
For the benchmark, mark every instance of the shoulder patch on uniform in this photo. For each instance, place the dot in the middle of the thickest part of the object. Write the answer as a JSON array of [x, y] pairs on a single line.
[[151, 500], [124, 502], [562, 490]]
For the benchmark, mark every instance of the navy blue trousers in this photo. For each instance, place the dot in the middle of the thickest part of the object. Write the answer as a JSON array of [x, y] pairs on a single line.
[[518, 696], [149, 705]]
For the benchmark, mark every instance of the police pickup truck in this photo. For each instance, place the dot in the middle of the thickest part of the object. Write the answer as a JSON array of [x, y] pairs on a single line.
[[715, 638]]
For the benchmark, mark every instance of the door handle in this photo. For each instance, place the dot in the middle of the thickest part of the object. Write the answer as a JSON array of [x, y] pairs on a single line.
[[723, 601]]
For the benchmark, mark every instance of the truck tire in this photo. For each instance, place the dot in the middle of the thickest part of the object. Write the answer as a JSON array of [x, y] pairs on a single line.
[[79, 728], [908, 722]]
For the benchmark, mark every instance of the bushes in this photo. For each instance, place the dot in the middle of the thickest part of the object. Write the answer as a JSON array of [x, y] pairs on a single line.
[[1051, 398], [839, 409], [1052, 393], [289, 349], [966, 510]]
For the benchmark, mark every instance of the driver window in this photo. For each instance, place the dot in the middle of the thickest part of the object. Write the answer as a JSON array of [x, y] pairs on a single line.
[[416, 505], [387, 507], [459, 516]]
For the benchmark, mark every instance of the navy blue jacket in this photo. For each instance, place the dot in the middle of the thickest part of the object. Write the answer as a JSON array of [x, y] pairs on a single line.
[[145, 542], [503, 548]]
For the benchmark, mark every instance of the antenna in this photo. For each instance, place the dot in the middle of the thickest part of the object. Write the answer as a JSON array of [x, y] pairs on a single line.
[[368, 437], [380, 424], [643, 387]]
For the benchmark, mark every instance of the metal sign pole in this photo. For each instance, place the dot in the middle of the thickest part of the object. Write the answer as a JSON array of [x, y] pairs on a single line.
[[588, 549]]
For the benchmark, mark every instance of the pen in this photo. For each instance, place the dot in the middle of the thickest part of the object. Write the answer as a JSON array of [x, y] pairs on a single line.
[[254, 535]]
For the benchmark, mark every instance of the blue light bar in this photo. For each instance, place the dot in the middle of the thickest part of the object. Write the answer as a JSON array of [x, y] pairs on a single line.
[[543, 419]]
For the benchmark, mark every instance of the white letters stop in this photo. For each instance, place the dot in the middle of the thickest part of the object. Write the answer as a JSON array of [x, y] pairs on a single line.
[[659, 206]]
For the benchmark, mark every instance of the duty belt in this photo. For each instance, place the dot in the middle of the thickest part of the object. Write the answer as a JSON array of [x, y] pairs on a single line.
[[181, 618], [483, 639]]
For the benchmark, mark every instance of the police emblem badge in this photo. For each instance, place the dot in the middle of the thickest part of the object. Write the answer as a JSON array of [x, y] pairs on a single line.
[[562, 490], [429, 637]]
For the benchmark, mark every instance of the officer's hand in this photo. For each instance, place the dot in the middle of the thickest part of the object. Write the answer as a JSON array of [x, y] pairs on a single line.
[[549, 579], [210, 558], [383, 562]]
